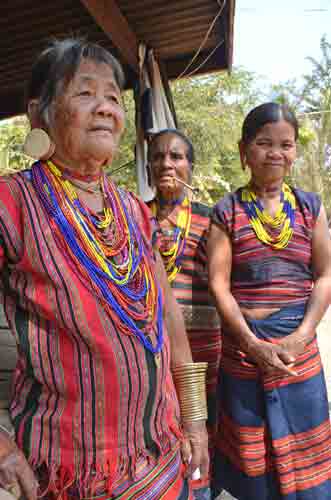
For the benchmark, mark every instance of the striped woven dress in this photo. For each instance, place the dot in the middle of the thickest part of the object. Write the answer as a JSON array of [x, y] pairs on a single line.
[[190, 288], [92, 411], [274, 439]]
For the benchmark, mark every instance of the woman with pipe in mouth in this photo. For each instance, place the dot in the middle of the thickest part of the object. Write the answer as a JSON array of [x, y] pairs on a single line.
[[184, 228]]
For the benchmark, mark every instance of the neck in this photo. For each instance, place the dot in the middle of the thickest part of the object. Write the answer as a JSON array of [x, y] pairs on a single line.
[[84, 171], [268, 190], [170, 202]]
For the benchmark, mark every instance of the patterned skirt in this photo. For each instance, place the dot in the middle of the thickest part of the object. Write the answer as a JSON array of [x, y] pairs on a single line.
[[163, 479], [273, 439]]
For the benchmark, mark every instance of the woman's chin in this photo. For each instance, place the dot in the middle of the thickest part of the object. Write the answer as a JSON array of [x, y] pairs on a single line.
[[101, 156], [169, 194], [101, 149], [167, 185]]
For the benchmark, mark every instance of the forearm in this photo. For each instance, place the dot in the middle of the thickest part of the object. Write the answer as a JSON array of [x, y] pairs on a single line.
[[232, 316], [317, 305], [320, 297]]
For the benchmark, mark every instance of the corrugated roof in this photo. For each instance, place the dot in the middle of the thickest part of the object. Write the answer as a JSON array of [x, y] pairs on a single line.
[[173, 28]]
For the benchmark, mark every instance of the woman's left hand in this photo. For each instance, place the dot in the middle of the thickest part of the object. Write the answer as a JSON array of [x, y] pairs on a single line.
[[195, 448], [294, 344]]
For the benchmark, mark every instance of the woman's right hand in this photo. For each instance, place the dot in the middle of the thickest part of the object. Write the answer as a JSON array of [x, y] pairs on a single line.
[[16, 475], [271, 357]]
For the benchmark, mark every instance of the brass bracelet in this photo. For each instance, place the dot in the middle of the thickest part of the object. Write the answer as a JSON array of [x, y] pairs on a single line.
[[190, 383]]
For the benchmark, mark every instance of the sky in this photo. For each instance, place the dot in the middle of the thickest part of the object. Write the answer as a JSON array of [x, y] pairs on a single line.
[[273, 37]]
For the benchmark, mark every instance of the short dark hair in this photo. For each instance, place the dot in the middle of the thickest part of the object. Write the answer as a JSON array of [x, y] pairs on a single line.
[[173, 131], [269, 112], [57, 65]]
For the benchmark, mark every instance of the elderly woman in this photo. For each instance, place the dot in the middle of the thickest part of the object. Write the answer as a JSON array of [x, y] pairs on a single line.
[[184, 228], [93, 406], [270, 271]]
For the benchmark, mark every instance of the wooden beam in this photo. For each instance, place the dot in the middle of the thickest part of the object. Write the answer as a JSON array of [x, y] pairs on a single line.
[[109, 17], [230, 33], [11, 103]]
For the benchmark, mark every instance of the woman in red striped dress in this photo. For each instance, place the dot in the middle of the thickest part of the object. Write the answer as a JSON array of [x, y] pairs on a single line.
[[270, 271], [94, 407], [184, 229]]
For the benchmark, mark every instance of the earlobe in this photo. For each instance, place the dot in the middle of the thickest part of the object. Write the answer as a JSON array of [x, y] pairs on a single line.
[[38, 145], [243, 159], [32, 113]]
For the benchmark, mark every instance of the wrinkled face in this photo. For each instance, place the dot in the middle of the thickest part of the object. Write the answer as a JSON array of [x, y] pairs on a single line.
[[87, 119], [271, 154], [168, 159]]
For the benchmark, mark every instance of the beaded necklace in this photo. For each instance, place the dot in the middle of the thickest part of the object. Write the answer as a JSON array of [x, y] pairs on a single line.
[[283, 221], [172, 257], [119, 273]]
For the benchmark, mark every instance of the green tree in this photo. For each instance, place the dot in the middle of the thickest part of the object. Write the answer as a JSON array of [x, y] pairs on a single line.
[[312, 103], [12, 135], [210, 111], [316, 103]]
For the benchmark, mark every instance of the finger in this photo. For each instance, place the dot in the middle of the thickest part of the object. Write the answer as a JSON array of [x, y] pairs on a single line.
[[27, 481], [186, 452], [7, 477], [286, 369], [196, 460], [286, 357], [204, 466], [15, 490], [276, 364]]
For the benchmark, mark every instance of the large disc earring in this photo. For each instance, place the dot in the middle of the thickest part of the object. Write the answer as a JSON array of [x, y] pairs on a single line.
[[38, 145]]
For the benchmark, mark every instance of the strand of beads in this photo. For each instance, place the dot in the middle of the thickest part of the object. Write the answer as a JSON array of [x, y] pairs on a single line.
[[172, 256], [120, 274], [283, 220]]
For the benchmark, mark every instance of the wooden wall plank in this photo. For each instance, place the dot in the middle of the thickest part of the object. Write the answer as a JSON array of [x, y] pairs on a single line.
[[108, 15]]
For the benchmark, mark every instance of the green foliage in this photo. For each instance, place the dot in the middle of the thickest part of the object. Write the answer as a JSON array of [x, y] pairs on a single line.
[[123, 166], [12, 135], [312, 104], [211, 110]]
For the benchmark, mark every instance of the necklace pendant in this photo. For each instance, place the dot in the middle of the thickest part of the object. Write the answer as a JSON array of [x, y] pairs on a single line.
[[157, 360]]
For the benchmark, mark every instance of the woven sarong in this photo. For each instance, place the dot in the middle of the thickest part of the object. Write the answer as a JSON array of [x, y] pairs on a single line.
[[273, 439]]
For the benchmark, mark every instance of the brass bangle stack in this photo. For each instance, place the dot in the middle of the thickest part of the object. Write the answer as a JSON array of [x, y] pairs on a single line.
[[190, 383]]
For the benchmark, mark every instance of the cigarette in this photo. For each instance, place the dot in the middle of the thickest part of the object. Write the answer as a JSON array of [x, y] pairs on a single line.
[[186, 185]]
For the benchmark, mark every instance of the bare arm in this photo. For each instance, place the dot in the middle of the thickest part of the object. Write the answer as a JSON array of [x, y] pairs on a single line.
[[320, 297], [266, 355], [195, 444]]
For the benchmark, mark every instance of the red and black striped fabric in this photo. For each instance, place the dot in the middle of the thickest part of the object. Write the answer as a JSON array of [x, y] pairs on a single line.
[[274, 439], [263, 276], [191, 290], [274, 436], [88, 404]]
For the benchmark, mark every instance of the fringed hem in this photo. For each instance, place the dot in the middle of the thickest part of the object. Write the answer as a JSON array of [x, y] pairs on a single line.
[[65, 481]]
